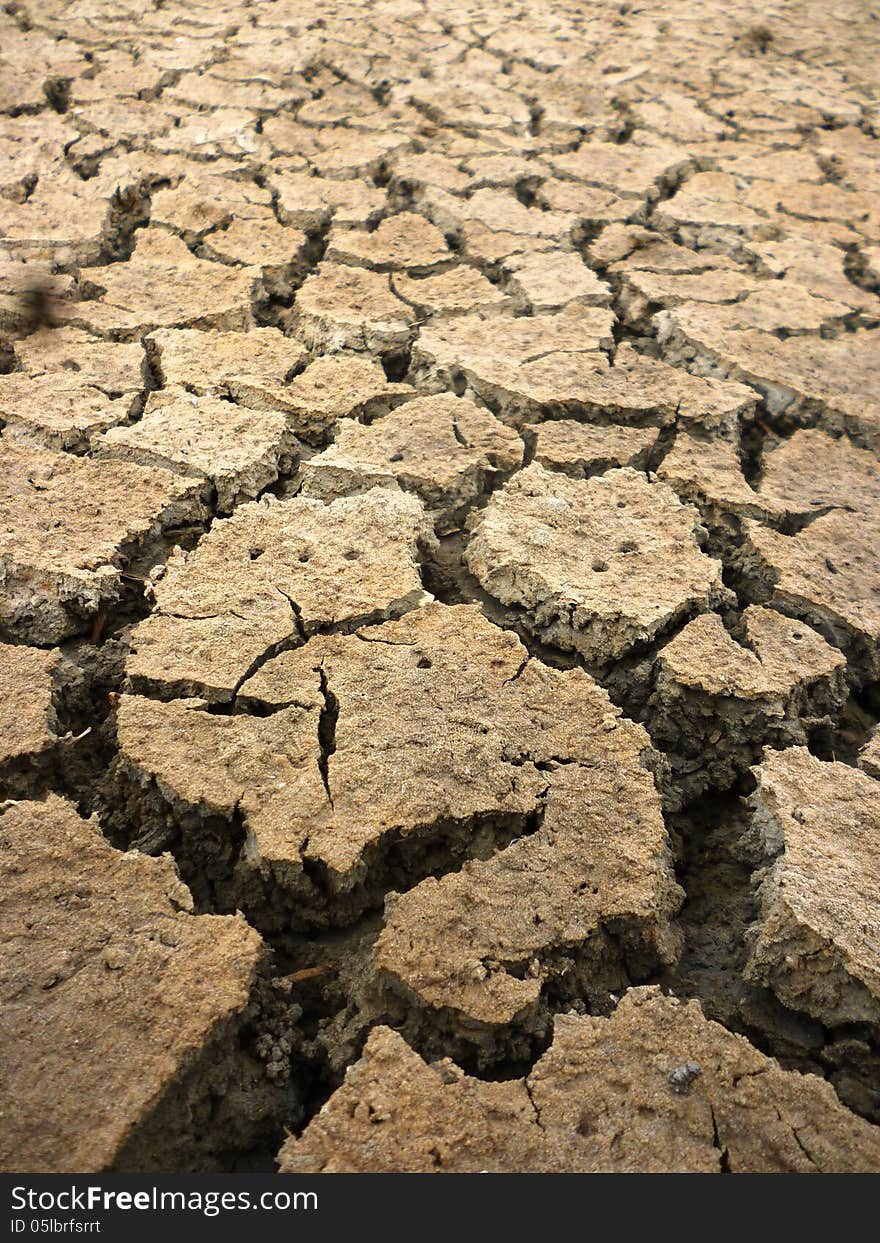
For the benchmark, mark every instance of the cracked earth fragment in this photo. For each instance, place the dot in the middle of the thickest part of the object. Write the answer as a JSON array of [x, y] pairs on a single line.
[[116, 966], [274, 573], [601, 1098], [593, 566], [71, 528], [814, 943], [446, 449], [439, 516]]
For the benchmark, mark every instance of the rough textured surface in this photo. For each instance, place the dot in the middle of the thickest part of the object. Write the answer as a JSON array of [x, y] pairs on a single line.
[[655, 1087], [517, 366], [334, 387], [272, 575], [351, 308], [849, 477], [582, 449], [815, 939], [239, 451], [246, 367], [342, 799], [164, 286], [716, 698], [54, 413], [439, 458], [102, 957], [869, 756], [708, 473], [68, 528], [578, 909], [444, 448], [825, 574], [28, 721], [595, 566]]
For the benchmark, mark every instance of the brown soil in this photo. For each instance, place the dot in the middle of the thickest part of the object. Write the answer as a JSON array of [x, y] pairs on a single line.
[[439, 587]]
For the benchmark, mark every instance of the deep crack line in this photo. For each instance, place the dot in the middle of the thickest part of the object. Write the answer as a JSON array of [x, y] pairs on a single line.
[[327, 720]]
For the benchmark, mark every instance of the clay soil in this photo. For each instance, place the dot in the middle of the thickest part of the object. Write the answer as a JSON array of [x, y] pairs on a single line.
[[439, 586]]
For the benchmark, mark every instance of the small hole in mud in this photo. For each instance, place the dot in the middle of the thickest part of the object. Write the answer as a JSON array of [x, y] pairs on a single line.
[[621, 504], [629, 545], [304, 556], [599, 566], [255, 553], [585, 1125], [351, 555], [424, 663]]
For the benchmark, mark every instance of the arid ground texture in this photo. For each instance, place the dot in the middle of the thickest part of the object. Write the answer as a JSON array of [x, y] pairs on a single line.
[[439, 586]]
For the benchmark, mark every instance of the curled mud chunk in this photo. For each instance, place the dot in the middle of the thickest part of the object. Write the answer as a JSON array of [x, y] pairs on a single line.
[[819, 267], [248, 367], [583, 449], [708, 213], [70, 528], [816, 940], [655, 1087], [706, 471], [345, 308], [631, 171], [334, 387], [105, 968], [403, 243], [723, 212], [457, 291], [281, 254], [541, 366], [69, 388], [487, 248], [327, 766], [202, 202], [63, 219], [499, 211], [518, 366], [237, 450], [716, 701], [775, 307], [643, 389], [272, 574], [27, 714], [445, 448], [574, 911], [551, 282], [623, 247], [641, 293], [824, 575], [311, 202], [51, 412], [163, 285], [849, 477], [595, 566], [808, 379], [72, 356]]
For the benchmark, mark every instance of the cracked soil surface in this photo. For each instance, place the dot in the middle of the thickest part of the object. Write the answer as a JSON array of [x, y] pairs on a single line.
[[439, 586]]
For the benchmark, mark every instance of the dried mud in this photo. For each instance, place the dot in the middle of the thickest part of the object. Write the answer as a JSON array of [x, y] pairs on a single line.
[[439, 587]]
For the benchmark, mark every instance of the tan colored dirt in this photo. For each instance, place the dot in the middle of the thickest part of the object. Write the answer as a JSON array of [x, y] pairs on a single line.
[[653, 1088], [439, 606], [106, 968]]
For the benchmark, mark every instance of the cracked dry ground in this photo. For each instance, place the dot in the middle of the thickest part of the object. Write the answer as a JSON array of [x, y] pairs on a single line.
[[440, 586]]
